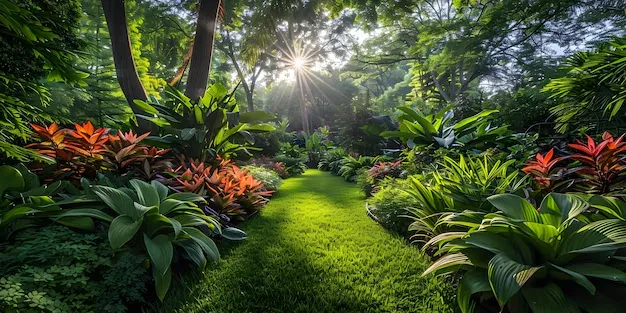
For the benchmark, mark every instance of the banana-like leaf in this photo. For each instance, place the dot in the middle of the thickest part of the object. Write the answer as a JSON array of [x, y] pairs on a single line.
[[562, 206], [255, 117], [599, 271], [613, 207], [603, 235]]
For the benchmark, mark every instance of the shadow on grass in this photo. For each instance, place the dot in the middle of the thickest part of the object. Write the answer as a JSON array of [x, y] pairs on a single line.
[[308, 253]]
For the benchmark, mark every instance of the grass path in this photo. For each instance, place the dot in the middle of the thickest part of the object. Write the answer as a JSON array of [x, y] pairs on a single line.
[[314, 249]]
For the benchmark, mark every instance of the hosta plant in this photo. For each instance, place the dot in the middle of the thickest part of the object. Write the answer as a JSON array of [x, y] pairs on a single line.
[[144, 217], [526, 259]]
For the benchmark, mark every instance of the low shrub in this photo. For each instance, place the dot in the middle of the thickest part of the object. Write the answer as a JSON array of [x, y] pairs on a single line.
[[389, 205], [554, 258], [294, 166], [270, 179], [54, 269]]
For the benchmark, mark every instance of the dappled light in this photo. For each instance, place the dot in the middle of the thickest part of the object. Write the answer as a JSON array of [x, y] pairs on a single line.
[[418, 156]]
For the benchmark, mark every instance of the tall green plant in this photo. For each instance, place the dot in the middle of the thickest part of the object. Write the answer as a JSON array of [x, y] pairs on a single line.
[[523, 259], [417, 129], [205, 128]]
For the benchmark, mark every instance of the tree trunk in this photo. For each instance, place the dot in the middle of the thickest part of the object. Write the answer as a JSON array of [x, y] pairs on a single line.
[[249, 94], [127, 76], [200, 65]]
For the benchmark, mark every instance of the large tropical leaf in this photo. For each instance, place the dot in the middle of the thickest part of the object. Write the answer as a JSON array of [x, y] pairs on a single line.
[[507, 277], [122, 229]]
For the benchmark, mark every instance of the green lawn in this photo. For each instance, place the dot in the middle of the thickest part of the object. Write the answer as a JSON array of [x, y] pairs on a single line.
[[314, 249]]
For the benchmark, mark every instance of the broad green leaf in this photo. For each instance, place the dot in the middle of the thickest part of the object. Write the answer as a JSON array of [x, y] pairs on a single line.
[[162, 283], [161, 189], [122, 229], [146, 193], [232, 233], [507, 277], [563, 206], [12, 179], [494, 243], [92, 213], [548, 299], [603, 235], [612, 206], [18, 212], [146, 107], [157, 222], [207, 245], [515, 207], [80, 222], [255, 117], [194, 252], [117, 200], [599, 271], [474, 281], [473, 119], [161, 252], [578, 278], [187, 197]]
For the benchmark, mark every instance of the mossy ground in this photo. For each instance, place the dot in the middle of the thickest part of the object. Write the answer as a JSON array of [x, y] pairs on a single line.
[[314, 249]]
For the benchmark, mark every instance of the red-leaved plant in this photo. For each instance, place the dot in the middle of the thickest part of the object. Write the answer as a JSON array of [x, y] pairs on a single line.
[[85, 151], [602, 163], [233, 192], [543, 169]]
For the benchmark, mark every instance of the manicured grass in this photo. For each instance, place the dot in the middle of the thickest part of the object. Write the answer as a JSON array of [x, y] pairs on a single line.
[[314, 249]]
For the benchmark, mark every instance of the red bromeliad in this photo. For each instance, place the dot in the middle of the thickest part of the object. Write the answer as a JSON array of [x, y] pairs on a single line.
[[602, 163], [543, 168]]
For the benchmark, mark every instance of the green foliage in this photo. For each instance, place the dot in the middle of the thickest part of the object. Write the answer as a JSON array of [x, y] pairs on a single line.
[[147, 214], [351, 165], [593, 90], [38, 39], [293, 158], [22, 197], [553, 259], [417, 129], [390, 203], [269, 178], [54, 269], [457, 187], [207, 128], [331, 160]]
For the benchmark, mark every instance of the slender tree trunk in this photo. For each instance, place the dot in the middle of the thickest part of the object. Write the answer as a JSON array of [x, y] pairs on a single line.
[[200, 65], [249, 95], [115, 15]]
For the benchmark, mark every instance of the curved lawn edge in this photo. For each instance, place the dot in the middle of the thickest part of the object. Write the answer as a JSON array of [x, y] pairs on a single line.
[[314, 249]]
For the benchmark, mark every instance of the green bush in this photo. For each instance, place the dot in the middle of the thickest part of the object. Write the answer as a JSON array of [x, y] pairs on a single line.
[[555, 258], [389, 205], [55, 269], [294, 165], [269, 178]]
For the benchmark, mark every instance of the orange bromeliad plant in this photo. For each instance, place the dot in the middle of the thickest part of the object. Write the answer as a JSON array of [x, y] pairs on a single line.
[[543, 168]]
